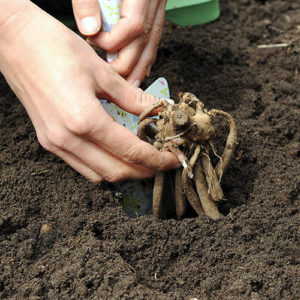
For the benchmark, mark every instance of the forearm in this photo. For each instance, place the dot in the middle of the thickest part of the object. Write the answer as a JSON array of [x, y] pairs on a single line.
[[15, 16], [21, 24], [11, 9], [24, 29]]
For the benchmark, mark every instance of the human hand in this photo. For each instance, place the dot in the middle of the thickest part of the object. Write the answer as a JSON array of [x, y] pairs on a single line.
[[135, 37], [58, 77]]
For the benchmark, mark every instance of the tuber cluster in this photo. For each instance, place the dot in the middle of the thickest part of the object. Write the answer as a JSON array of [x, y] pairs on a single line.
[[186, 129]]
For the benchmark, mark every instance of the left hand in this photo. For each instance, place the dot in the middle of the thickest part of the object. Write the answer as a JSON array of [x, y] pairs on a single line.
[[59, 78], [135, 37]]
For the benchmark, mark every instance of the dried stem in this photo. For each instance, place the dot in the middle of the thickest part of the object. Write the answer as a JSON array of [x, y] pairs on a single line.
[[148, 111], [214, 187], [188, 186], [208, 204], [230, 144], [143, 127]]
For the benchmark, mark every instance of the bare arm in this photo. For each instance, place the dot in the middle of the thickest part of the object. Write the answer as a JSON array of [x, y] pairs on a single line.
[[58, 77]]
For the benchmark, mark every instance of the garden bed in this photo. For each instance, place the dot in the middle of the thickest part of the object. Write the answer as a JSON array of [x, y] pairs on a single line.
[[94, 251]]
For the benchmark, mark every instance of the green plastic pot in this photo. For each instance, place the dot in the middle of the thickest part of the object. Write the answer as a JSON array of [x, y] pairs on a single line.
[[181, 12], [192, 12]]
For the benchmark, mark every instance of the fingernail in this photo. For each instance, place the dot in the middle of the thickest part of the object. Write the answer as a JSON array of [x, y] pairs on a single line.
[[90, 41], [170, 101], [89, 25], [148, 71], [137, 83]]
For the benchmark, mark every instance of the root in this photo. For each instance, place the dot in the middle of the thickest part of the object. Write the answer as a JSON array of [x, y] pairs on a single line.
[[186, 130], [158, 195], [148, 111], [142, 130], [230, 144], [182, 159], [191, 194], [216, 155], [180, 199], [188, 187], [214, 187], [179, 135], [208, 204], [195, 156]]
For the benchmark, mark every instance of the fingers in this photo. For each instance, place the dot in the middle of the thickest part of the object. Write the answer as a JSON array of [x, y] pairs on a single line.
[[127, 157], [130, 26], [128, 57], [98, 127], [87, 16], [97, 165], [79, 166], [130, 54], [146, 60], [117, 139], [99, 148], [126, 146], [113, 87], [108, 167]]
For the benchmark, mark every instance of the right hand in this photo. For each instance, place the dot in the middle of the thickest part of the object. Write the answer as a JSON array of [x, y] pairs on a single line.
[[135, 37], [58, 77]]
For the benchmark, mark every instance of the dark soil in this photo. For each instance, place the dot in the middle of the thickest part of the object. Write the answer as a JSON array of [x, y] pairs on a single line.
[[96, 252]]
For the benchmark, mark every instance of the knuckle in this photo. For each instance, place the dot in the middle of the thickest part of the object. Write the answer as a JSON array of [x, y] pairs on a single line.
[[133, 156], [137, 25], [107, 74], [157, 32], [54, 139], [45, 143], [84, 5], [58, 139], [94, 178], [147, 30], [110, 71], [125, 68], [122, 66], [119, 175], [79, 124]]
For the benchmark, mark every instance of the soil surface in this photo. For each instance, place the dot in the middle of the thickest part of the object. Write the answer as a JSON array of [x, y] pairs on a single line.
[[92, 250]]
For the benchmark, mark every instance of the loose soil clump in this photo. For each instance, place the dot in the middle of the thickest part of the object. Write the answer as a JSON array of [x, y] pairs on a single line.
[[92, 250]]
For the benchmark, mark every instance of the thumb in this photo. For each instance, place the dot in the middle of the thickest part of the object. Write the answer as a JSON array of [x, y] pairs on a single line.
[[87, 16], [124, 94]]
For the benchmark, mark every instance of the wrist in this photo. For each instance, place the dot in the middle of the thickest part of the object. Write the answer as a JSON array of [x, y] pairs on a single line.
[[9, 9], [15, 16]]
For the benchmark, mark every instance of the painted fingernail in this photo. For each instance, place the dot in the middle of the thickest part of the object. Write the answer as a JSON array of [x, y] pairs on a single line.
[[148, 71], [89, 25], [137, 83]]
